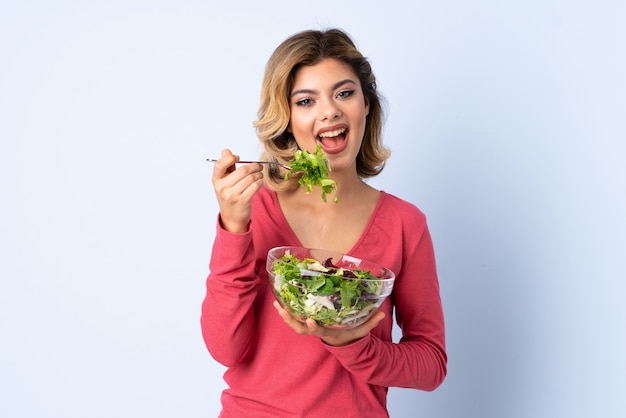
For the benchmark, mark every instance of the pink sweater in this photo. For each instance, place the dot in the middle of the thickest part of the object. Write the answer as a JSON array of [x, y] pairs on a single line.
[[274, 372]]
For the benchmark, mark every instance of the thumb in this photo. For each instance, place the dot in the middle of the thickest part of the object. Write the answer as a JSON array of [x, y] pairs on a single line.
[[375, 320], [227, 151]]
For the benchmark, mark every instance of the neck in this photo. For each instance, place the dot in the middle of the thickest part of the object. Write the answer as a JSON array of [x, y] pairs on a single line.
[[350, 189]]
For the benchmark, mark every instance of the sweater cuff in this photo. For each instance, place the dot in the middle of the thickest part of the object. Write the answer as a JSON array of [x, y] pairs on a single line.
[[349, 351], [220, 230], [231, 250]]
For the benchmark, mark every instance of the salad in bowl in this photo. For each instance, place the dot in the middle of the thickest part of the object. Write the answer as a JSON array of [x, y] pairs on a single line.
[[334, 289]]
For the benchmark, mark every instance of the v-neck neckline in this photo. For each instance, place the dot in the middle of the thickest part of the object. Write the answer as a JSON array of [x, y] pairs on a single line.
[[283, 219]]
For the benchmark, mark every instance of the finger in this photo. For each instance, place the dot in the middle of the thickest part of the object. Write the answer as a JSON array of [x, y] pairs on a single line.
[[373, 321], [249, 190], [239, 185], [226, 163], [238, 179], [342, 337], [283, 313], [312, 326], [296, 325], [226, 153]]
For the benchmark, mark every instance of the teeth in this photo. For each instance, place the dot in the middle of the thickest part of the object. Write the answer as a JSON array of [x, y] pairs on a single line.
[[330, 134]]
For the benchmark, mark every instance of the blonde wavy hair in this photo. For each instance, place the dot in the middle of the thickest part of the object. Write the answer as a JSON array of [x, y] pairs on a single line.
[[303, 49]]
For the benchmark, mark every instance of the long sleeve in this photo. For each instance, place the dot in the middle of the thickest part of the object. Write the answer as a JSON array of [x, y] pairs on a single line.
[[227, 320], [419, 359], [268, 362]]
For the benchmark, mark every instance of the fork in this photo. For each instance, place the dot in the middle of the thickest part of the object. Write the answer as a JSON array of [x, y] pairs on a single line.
[[286, 167]]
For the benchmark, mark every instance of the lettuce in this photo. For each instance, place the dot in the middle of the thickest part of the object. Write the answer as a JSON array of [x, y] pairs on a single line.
[[330, 295], [313, 170]]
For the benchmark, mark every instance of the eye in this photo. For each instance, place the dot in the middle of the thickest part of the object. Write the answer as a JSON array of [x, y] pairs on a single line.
[[304, 102], [344, 94]]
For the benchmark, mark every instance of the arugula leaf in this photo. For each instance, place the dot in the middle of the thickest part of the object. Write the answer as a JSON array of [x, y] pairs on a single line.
[[314, 171]]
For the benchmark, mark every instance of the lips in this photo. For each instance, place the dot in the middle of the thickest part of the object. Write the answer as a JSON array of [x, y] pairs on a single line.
[[333, 139]]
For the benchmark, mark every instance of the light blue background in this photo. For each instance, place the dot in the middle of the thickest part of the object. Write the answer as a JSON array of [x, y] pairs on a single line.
[[507, 120]]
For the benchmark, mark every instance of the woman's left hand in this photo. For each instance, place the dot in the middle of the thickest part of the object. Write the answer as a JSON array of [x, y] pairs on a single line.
[[335, 337]]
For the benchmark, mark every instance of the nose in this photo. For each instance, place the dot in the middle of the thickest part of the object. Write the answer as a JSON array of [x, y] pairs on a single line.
[[328, 110]]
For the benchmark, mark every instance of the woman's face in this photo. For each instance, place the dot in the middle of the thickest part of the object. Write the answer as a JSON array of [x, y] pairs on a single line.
[[328, 108]]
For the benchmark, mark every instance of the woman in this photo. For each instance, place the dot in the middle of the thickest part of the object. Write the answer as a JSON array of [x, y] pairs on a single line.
[[318, 89]]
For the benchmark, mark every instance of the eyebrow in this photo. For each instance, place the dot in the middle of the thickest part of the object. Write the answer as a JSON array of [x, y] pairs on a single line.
[[335, 86]]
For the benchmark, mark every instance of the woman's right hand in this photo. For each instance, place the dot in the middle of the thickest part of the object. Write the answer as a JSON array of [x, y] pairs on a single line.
[[234, 188]]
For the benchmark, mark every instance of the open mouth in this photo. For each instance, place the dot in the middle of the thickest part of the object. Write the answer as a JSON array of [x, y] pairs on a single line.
[[332, 134], [333, 140]]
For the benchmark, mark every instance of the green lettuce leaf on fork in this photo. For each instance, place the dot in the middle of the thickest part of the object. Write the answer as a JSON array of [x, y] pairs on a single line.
[[313, 170]]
